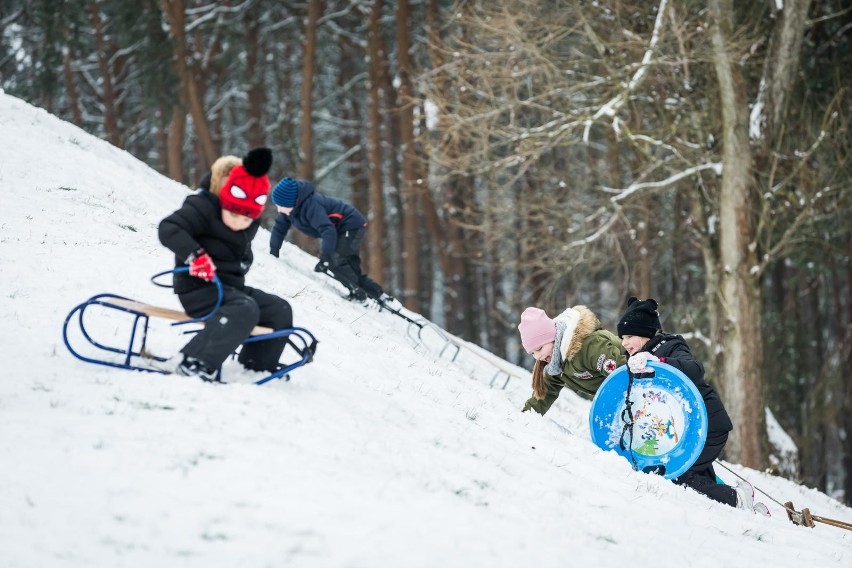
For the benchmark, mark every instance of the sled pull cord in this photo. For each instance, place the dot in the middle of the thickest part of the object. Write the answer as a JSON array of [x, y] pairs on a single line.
[[628, 422], [804, 517]]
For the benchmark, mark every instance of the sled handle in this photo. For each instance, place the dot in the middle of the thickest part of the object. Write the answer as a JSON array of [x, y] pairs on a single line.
[[205, 317]]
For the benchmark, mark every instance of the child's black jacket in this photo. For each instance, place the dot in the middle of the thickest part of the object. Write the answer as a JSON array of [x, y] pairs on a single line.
[[198, 224], [675, 352]]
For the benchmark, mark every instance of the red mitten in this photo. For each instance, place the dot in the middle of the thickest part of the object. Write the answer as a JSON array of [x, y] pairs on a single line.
[[201, 266]]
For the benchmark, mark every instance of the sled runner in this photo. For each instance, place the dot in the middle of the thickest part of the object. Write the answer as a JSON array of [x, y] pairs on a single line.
[[420, 331], [424, 333], [657, 420], [134, 354]]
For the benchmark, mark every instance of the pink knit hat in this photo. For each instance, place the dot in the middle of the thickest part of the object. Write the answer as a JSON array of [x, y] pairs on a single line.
[[536, 329]]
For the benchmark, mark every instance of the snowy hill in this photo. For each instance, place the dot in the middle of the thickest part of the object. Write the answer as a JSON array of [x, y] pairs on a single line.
[[380, 453]]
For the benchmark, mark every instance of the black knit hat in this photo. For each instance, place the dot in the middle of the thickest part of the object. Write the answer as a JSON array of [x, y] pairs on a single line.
[[641, 318]]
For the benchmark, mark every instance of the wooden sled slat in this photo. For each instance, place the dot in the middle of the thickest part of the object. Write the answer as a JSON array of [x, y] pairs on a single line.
[[170, 314]]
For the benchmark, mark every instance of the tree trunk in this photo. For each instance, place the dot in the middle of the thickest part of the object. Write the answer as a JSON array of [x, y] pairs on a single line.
[[783, 62], [306, 140], [377, 233], [175, 136], [391, 145], [842, 278], [107, 88], [353, 142], [410, 188], [306, 127], [256, 136], [71, 89], [739, 292], [191, 93], [446, 245]]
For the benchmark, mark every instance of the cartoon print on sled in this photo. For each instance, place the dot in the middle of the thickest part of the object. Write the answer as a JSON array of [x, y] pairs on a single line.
[[655, 423]]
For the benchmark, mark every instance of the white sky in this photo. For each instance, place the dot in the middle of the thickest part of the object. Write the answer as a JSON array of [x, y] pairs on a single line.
[[377, 454]]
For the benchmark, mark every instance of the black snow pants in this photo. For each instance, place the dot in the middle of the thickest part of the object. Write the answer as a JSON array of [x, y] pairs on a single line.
[[240, 311], [347, 267], [702, 477]]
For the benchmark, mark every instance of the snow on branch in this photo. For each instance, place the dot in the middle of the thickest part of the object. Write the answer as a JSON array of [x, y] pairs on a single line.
[[610, 108], [632, 190], [597, 234], [637, 187]]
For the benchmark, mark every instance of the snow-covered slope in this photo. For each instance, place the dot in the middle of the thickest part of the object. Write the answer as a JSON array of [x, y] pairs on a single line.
[[377, 454]]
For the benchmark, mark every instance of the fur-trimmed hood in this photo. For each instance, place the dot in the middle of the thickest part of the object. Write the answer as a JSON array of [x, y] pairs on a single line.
[[579, 323], [220, 170]]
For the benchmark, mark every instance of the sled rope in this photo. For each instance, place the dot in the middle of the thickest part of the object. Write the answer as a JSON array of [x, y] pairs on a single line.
[[803, 517]]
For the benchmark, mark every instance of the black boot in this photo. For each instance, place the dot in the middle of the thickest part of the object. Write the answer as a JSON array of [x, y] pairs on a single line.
[[192, 367]]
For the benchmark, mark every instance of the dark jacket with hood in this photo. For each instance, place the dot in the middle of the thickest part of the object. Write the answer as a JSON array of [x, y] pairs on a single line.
[[318, 216], [673, 350], [198, 225]]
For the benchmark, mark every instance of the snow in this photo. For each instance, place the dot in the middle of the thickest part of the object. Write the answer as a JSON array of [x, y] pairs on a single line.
[[756, 118], [785, 453], [379, 453]]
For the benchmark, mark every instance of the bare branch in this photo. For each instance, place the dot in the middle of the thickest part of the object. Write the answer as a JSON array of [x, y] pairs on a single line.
[[635, 188], [614, 104]]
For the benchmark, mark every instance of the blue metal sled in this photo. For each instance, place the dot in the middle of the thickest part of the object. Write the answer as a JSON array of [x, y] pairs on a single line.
[[134, 354]]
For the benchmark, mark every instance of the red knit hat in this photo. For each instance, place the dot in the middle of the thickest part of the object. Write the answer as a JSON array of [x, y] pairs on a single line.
[[536, 329], [247, 188]]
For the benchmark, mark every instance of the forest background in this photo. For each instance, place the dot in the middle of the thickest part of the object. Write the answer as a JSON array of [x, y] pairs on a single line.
[[525, 152]]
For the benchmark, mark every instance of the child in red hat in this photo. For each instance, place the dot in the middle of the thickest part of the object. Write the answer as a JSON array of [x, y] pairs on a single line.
[[212, 233]]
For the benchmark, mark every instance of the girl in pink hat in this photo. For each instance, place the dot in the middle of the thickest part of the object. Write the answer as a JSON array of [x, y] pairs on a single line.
[[585, 356]]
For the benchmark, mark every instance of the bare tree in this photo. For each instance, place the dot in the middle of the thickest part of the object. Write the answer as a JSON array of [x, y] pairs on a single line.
[[108, 95], [410, 187], [191, 91], [306, 140], [738, 304], [572, 100], [377, 233]]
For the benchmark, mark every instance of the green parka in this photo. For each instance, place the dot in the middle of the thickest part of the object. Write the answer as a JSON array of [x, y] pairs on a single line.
[[587, 354]]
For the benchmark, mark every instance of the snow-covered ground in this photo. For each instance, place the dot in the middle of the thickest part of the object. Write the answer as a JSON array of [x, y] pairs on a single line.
[[380, 453]]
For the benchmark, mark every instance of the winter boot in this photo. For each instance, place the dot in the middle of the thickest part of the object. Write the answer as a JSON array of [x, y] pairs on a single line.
[[745, 495], [192, 367], [389, 302], [357, 295]]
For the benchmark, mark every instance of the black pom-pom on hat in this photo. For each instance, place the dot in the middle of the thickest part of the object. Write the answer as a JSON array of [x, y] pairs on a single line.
[[640, 319], [258, 161], [650, 303]]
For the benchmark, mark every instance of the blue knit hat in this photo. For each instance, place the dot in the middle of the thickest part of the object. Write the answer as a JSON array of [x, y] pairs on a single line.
[[285, 192]]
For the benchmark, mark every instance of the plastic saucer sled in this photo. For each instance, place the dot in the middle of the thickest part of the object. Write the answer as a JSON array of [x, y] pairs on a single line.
[[669, 419]]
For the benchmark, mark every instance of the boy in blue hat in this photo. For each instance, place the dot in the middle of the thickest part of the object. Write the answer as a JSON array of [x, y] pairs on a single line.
[[340, 226]]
